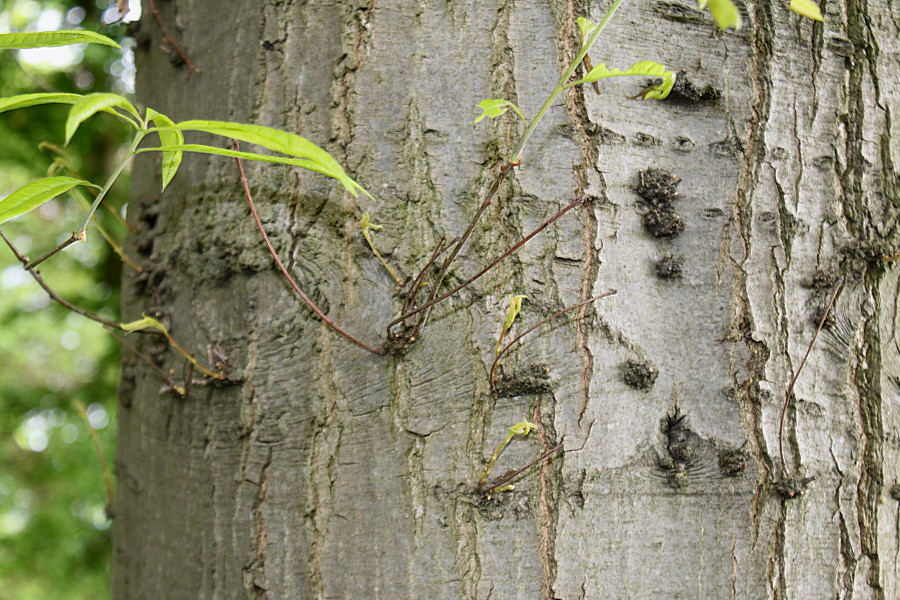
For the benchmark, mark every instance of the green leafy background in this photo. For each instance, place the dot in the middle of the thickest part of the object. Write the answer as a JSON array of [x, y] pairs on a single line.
[[54, 533]]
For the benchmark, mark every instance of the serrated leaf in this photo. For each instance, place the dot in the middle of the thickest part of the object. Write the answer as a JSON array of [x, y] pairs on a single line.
[[496, 107], [26, 100], [807, 8], [49, 39], [645, 68], [279, 141], [171, 159], [32, 195], [90, 105], [724, 12]]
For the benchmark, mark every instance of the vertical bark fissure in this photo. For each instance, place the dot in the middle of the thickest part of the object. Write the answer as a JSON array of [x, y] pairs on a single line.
[[549, 479], [570, 45], [324, 449], [255, 574], [760, 38], [864, 219]]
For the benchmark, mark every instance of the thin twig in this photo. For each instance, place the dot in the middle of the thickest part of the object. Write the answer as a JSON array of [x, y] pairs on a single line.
[[75, 237], [284, 271], [107, 479], [165, 376], [488, 200], [416, 284], [36, 275], [790, 390], [518, 245], [170, 40], [548, 319]]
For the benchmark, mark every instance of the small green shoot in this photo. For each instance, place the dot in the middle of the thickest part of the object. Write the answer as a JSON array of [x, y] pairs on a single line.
[[515, 305], [366, 225], [496, 107], [522, 428], [150, 323]]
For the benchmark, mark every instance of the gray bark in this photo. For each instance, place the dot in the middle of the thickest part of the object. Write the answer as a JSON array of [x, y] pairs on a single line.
[[331, 473]]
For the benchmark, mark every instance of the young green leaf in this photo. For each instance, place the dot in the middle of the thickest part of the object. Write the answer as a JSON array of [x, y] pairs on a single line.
[[91, 104], [496, 107], [34, 194], [144, 323], [279, 141], [515, 305], [724, 12], [47, 39], [586, 28], [26, 100], [171, 159], [645, 68], [807, 8]]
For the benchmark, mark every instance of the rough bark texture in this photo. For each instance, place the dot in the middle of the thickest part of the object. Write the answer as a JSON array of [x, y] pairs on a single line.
[[332, 473]]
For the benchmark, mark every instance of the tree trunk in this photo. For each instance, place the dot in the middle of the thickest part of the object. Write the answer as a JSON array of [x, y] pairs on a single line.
[[329, 472]]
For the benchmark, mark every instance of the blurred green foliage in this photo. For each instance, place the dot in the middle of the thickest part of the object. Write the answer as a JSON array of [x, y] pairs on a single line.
[[54, 532]]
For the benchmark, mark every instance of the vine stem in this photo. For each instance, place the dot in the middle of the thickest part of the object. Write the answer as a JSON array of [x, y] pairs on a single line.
[[36, 275], [112, 179], [493, 377], [518, 245], [284, 271], [170, 40], [790, 391], [507, 166]]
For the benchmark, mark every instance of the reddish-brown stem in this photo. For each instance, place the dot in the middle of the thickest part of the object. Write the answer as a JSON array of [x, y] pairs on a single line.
[[165, 376], [170, 40], [518, 245], [488, 200], [790, 391], [284, 271], [36, 275], [500, 354], [417, 282], [504, 479], [75, 237]]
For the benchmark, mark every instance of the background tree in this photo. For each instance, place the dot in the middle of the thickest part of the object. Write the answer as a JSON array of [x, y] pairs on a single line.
[[330, 472], [54, 532]]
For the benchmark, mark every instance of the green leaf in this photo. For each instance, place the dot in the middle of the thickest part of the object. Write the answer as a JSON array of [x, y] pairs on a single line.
[[91, 104], [47, 39], [724, 12], [807, 8], [171, 159], [645, 68], [34, 194], [279, 141], [496, 107], [26, 100], [296, 162]]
